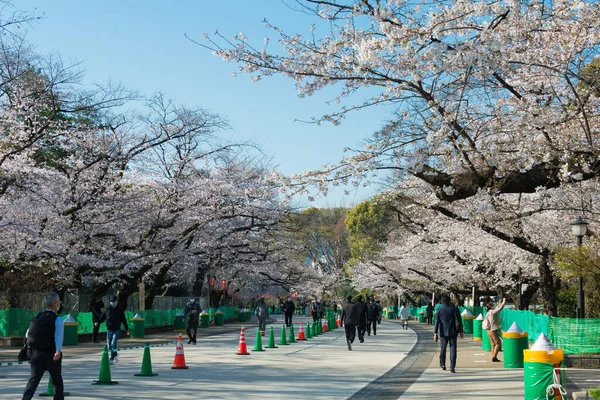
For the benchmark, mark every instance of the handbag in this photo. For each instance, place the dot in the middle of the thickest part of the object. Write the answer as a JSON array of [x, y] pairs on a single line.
[[25, 352]]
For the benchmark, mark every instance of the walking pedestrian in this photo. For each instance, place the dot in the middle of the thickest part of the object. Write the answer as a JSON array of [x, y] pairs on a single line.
[[97, 308], [289, 308], [404, 316], [429, 313], [315, 310], [363, 316], [349, 320], [373, 312], [395, 311], [191, 315], [114, 317], [45, 336], [449, 325], [262, 314], [380, 311], [491, 324]]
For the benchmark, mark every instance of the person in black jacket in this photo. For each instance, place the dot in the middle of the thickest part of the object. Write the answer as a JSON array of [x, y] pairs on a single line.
[[289, 309], [363, 317], [449, 325], [349, 319], [429, 313], [45, 335], [373, 312], [114, 317], [97, 307], [191, 315]]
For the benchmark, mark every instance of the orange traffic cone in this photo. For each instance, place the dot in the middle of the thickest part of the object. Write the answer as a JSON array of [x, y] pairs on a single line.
[[179, 362], [242, 349], [338, 321], [301, 333], [324, 325]]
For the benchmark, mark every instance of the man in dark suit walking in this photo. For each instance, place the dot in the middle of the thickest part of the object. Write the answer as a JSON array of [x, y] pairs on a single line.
[[349, 320], [449, 325]]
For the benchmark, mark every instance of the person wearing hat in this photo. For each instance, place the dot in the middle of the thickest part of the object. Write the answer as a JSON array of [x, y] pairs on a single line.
[[114, 317], [191, 315], [349, 320]]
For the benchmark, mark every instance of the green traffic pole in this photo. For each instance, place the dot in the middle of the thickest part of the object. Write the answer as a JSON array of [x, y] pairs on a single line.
[[271, 343], [146, 363], [258, 342], [292, 339], [282, 340]]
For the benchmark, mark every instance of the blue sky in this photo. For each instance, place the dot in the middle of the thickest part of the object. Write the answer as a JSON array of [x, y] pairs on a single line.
[[142, 45]]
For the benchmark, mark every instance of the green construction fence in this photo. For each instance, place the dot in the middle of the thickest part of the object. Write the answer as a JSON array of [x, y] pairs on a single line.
[[14, 321], [574, 336]]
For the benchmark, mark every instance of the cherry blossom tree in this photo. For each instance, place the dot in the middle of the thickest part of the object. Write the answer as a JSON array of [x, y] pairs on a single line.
[[492, 101]]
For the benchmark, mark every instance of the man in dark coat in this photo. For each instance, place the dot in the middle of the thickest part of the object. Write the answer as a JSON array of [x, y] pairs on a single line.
[[45, 335], [448, 325], [114, 317], [429, 312], [191, 316], [349, 319], [373, 311], [97, 308], [289, 309], [363, 316]]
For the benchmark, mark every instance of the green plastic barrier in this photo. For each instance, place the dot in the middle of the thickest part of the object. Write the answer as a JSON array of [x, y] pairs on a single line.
[[219, 319], [539, 372], [477, 329], [467, 324], [514, 343], [136, 328], [204, 320], [179, 324], [533, 324], [421, 317], [70, 334], [390, 313], [486, 345]]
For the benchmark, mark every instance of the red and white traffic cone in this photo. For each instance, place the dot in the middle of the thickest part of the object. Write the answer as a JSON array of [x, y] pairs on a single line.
[[301, 335], [179, 362], [242, 349], [324, 325]]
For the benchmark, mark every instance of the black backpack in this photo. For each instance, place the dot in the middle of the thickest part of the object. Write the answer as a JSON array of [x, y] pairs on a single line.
[[41, 331], [372, 310]]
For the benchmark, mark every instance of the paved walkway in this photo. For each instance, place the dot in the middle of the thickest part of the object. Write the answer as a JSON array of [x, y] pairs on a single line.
[[395, 364]]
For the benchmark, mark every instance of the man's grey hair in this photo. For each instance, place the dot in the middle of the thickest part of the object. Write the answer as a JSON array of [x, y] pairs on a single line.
[[50, 299]]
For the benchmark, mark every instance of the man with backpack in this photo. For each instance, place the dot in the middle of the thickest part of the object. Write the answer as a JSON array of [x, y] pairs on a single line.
[[362, 317], [45, 336]]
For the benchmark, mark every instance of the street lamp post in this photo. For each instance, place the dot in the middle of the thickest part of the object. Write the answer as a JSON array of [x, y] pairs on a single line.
[[579, 227]]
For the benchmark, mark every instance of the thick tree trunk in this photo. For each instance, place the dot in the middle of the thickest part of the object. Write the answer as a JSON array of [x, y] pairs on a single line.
[[527, 296], [126, 291], [157, 285], [548, 286], [199, 282]]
